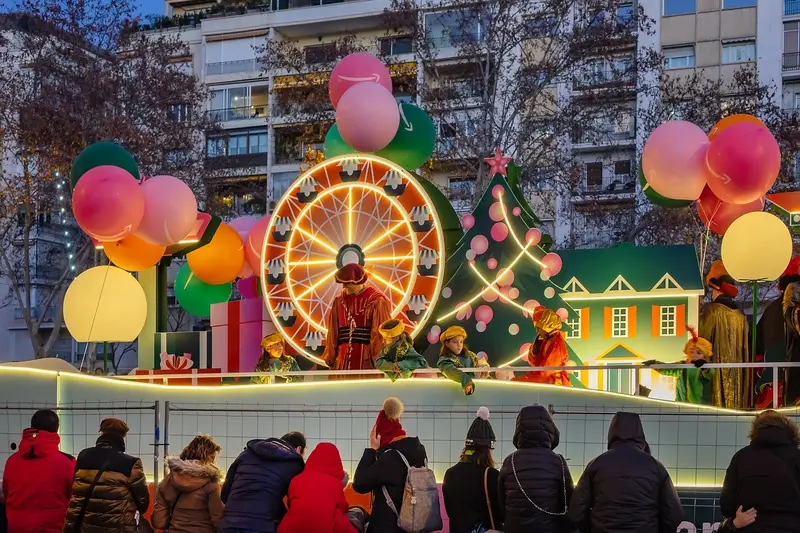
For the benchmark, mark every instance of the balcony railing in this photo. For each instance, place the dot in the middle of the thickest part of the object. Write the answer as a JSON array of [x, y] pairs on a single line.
[[791, 61], [289, 107], [618, 184], [454, 41], [280, 5], [598, 78], [791, 7], [36, 312], [606, 134], [233, 67], [290, 154], [454, 90], [238, 113]]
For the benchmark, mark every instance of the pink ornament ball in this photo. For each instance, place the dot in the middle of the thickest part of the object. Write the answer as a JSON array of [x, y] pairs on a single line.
[[523, 350], [516, 211], [491, 263], [447, 292], [467, 221], [255, 242], [367, 117], [533, 236], [499, 232], [480, 327], [498, 190], [530, 306], [496, 212], [489, 296], [470, 255], [479, 244], [545, 275], [170, 211], [553, 263], [433, 334], [562, 313], [108, 203], [505, 277], [484, 313], [357, 68], [549, 292], [504, 375], [464, 311], [513, 293], [482, 355], [513, 329], [504, 297]]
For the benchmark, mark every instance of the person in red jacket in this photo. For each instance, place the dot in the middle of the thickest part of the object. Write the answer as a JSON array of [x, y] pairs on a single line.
[[37, 480], [316, 496]]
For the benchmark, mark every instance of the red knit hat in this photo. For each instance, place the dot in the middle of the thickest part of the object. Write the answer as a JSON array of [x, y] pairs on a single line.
[[387, 426], [352, 273]]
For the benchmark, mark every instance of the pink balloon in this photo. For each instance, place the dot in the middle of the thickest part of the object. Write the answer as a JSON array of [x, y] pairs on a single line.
[[743, 162], [718, 215], [243, 225], [248, 287], [484, 314], [255, 242], [108, 203], [170, 211], [367, 117], [552, 263], [499, 231], [674, 160], [357, 68], [479, 244]]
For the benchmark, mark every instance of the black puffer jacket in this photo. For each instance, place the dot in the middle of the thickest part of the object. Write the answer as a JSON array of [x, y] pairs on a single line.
[[625, 489], [256, 484], [542, 473], [386, 467], [766, 475]]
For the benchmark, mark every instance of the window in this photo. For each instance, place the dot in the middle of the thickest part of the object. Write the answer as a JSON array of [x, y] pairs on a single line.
[[791, 44], [625, 20], [281, 182], [461, 188], [320, 53], [574, 324], [679, 7], [397, 45], [681, 57], [733, 4], [541, 26], [240, 142], [455, 28], [594, 174], [179, 112], [237, 103], [216, 147], [622, 168], [619, 322], [740, 52], [669, 315]]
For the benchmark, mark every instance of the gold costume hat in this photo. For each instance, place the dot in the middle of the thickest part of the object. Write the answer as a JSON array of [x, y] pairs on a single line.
[[704, 345], [453, 331], [546, 319], [392, 328], [271, 340]]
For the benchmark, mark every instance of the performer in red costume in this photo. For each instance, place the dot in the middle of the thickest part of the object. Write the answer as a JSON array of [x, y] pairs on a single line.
[[549, 349], [354, 341]]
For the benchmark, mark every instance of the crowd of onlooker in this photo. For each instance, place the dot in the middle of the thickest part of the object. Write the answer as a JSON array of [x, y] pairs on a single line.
[[272, 488]]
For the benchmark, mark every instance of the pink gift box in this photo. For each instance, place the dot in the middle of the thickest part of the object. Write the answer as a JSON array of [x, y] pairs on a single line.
[[236, 331]]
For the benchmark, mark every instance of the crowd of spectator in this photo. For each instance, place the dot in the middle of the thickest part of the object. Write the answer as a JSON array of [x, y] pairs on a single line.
[[272, 488]]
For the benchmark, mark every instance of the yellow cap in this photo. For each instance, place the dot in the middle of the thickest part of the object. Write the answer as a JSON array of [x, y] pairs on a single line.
[[392, 328], [271, 339], [453, 331]]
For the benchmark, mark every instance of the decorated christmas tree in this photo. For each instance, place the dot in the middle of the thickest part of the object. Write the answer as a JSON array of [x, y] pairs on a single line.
[[499, 273]]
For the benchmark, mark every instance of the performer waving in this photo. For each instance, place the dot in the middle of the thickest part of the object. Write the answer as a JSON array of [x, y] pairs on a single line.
[[549, 349]]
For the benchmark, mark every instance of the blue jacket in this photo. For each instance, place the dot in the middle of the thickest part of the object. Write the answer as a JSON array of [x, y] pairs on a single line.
[[256, 484]]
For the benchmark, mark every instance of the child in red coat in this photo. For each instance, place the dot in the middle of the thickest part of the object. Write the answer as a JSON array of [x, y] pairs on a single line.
[[316, 496], [549, 349]]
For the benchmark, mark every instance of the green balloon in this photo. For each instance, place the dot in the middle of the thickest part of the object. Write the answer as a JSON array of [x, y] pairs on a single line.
[[196, 296], [99, 154], [335, 145], [657, 199], [414, 141]]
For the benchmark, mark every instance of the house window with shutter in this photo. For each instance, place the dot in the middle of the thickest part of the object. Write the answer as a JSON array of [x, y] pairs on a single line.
[[619, 322], [574, 324], [669, 323]]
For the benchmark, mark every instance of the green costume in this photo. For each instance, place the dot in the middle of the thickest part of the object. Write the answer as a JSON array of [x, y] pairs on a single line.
[[450, 364], [283, 364], [694, 384], [400, 359]]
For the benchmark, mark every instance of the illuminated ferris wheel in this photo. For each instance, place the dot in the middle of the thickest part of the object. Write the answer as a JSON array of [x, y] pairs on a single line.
[[350, 209]]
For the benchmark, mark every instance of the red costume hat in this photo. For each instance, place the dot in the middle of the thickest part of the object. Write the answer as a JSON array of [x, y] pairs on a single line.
[[352, 273], [387, 426]]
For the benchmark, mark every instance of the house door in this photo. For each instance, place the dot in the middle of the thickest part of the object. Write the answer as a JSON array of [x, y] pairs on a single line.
[[620, 380]]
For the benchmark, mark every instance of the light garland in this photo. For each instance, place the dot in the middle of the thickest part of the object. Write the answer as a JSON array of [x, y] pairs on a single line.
[[63, 204]]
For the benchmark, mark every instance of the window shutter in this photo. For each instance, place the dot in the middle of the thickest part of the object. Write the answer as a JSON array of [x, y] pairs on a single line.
[[607, 322], [680, 320], [584, 323], [632, 321], [655, 321]]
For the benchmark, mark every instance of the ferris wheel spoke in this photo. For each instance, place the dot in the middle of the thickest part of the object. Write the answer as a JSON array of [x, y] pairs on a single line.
[[317, 240], [312, 262], [383, 236], [316, 284], [330, 213], [388, 284], [390, 258], [350, 215]]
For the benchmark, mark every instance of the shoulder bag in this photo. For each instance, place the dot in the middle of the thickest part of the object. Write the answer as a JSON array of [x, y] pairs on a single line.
[[563, 485], [76, 527], [489, 502]]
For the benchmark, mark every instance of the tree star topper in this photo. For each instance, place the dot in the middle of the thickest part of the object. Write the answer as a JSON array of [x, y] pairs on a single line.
[[498, 163]]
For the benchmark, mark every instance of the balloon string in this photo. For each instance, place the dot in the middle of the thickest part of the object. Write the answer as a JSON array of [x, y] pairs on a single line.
[[94, 317]]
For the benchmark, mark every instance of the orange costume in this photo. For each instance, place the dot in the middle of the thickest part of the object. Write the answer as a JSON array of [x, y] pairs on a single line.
[[354, 341], [549, 349]]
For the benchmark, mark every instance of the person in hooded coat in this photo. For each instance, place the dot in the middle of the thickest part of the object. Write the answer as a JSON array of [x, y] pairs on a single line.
[[535, 482], [187, 500], [626, 488], [316, 497], [381, 466], [258, 481], [765, 476]]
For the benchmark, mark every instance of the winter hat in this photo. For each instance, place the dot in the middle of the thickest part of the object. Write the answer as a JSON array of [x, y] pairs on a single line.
[[480, 433], [451, 332], [387, 426], [114, 426], [352, 273]]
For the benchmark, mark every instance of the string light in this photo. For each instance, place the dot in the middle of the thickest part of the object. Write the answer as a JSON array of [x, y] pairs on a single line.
[[64, 219]]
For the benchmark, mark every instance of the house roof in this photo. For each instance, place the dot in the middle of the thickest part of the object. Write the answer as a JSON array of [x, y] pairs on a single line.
[[625, 266], [619, 351], [787, 201]]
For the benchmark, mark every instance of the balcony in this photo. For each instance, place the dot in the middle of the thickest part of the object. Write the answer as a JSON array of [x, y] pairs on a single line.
[[608, 189], [445, 40], [791, 61], [245, 160], [233, 67], [791, 7], [456, 90], [596, 79], [461, 195], [238, 113], [293, 153], [281, 5], [36, 312], [605, 134]]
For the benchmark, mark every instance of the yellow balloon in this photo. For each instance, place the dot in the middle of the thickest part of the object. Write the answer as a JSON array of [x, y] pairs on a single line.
[[105, 304], [756, 247]]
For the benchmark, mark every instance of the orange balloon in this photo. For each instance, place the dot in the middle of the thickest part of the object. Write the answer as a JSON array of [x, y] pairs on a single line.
[[133, 253], [221, 260], [733, 119]]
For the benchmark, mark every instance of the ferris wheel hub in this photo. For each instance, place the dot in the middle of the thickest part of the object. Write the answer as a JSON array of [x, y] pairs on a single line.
[[349, 254]]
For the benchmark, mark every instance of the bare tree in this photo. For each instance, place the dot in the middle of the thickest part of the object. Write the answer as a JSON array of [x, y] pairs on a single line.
[[72, 73]]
